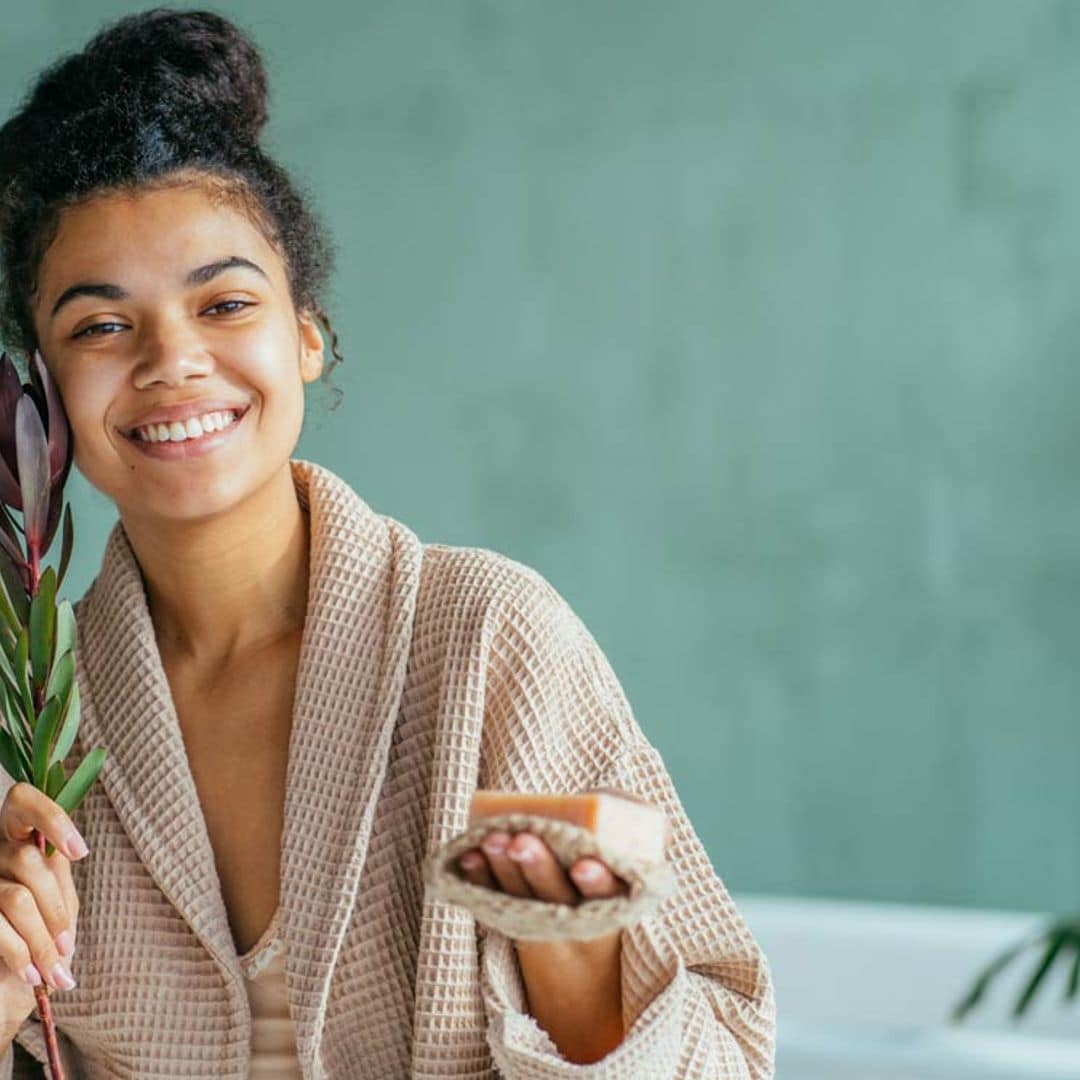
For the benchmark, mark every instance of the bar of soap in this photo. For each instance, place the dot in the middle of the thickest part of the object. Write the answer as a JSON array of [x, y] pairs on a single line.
[[623, 824]]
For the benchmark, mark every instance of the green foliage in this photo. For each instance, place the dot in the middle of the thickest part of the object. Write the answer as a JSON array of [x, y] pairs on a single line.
[[43, 627], [22, 674], [73, 791], [1062, 938], [44, 734]]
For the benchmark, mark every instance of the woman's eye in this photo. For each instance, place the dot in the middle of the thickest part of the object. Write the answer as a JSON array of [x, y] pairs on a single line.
[[86, 331], [224, 303], [96, 326]]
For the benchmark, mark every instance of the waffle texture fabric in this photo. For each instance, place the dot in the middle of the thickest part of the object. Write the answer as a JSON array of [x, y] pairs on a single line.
[[426, 671]]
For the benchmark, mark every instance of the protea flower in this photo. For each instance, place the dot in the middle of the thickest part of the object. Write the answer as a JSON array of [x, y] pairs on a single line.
[[35, 459], [39, 694]]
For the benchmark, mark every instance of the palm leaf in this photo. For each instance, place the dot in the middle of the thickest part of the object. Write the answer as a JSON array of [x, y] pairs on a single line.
[[1055, 941], [982, 982]]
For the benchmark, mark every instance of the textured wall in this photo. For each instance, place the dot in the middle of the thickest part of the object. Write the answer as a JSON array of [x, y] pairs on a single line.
[[753, 327]]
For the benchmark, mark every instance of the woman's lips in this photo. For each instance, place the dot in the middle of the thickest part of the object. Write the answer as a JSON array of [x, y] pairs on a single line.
[[188, 448]]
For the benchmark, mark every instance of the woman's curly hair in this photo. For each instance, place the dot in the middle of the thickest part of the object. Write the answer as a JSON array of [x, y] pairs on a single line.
[[161, 98]]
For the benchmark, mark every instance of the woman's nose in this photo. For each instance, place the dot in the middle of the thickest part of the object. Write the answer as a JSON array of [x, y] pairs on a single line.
[[171, 355]]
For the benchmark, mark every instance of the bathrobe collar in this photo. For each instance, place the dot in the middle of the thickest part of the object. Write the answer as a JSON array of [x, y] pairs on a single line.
[[363, 581]]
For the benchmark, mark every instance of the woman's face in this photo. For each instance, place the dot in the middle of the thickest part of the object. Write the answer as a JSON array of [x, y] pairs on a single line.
[[148, 335]]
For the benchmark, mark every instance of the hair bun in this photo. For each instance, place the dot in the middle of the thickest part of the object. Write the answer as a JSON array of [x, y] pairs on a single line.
[[184, 61], [190, 78]]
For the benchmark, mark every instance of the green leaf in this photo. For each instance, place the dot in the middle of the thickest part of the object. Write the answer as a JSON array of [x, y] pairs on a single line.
[[979, 988], [66, 545], [60, 677], [12, 714], [15, 727], [66, 633], [44, 733], [7, 608], [11, 759], [1053, 947], [1074, 975], [43, 627], [56, 780], [68, 726], [22, 675], [79, 783], [8, 671]]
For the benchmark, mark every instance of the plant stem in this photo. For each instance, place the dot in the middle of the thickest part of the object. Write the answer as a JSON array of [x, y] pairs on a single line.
[[44, 1006], [41, 992]]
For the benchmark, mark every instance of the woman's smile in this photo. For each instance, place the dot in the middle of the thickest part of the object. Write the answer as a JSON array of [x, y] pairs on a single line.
[[189, 445]]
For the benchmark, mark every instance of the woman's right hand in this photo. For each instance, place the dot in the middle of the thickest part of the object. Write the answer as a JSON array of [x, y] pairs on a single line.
[[37, 899]]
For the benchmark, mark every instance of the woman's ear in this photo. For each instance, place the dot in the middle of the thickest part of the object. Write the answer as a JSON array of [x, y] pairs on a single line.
[[312, 347]]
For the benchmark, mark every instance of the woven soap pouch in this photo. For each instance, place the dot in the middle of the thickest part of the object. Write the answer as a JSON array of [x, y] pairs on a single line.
[[529, 919]]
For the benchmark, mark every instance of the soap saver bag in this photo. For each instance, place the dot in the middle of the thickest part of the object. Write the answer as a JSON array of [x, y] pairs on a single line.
[[529, 919]]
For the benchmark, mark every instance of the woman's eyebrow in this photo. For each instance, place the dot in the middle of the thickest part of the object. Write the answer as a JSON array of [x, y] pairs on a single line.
[[199, 276]]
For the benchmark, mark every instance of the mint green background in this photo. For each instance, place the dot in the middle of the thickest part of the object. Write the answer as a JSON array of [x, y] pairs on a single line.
[[754, 327]]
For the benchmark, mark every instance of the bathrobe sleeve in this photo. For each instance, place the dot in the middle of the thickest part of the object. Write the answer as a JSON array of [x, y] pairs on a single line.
[[696, 989]]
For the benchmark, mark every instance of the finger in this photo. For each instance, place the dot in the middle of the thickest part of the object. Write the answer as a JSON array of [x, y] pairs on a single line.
[[25, 809], [19, 906], [507, 873], [16, 954], [541, 870], [476, 870], [62, 872], [595, 879], [23, 863]]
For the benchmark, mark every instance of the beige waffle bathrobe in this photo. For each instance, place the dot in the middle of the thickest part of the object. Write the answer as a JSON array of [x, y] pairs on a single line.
[[426, 671]]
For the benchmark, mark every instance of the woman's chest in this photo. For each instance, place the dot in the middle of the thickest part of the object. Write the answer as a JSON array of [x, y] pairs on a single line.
[[236, 731]]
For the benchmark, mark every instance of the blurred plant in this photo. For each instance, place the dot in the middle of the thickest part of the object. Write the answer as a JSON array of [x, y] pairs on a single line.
[[39, 694], [1061, 938]]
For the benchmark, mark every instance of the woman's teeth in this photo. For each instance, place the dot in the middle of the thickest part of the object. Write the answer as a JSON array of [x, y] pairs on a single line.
[[179, 431]]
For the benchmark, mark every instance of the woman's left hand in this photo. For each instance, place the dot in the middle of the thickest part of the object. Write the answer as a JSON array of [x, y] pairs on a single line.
[[523, 865]]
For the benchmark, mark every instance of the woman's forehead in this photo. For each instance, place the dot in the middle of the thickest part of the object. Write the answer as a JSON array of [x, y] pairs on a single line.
[[155, 232]]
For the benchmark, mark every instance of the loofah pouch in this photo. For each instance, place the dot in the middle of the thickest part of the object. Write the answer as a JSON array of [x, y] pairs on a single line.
[[540, 920]]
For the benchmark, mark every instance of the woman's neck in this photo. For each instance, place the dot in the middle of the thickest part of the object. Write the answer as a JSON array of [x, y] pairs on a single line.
[[220, 590]]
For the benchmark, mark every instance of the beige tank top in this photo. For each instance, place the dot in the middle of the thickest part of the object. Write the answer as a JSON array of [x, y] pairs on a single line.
[[273, 1037]]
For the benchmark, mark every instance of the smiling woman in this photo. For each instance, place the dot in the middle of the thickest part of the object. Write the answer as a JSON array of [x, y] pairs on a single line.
[[299, 696], [196, 318]]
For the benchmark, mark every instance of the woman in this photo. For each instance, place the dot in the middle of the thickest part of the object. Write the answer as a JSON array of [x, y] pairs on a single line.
[[297, 696]]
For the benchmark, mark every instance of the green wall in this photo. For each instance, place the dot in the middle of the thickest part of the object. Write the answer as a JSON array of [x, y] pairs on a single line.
[[755, 328]]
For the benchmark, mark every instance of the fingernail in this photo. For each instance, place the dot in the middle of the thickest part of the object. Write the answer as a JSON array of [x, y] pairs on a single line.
[[31, 974], [471, 861], [75, 846], [587, 871], [62, 978], [526, 853], [65, 942], [494, 845]]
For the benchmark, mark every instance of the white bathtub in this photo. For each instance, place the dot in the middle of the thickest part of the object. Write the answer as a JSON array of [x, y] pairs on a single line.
[[864, 991]]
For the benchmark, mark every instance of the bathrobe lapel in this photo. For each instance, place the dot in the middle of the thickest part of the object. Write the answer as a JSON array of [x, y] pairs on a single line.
[[363, 580]]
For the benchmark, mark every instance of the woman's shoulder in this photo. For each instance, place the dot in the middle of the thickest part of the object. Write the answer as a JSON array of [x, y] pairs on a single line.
[[481, 580]]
